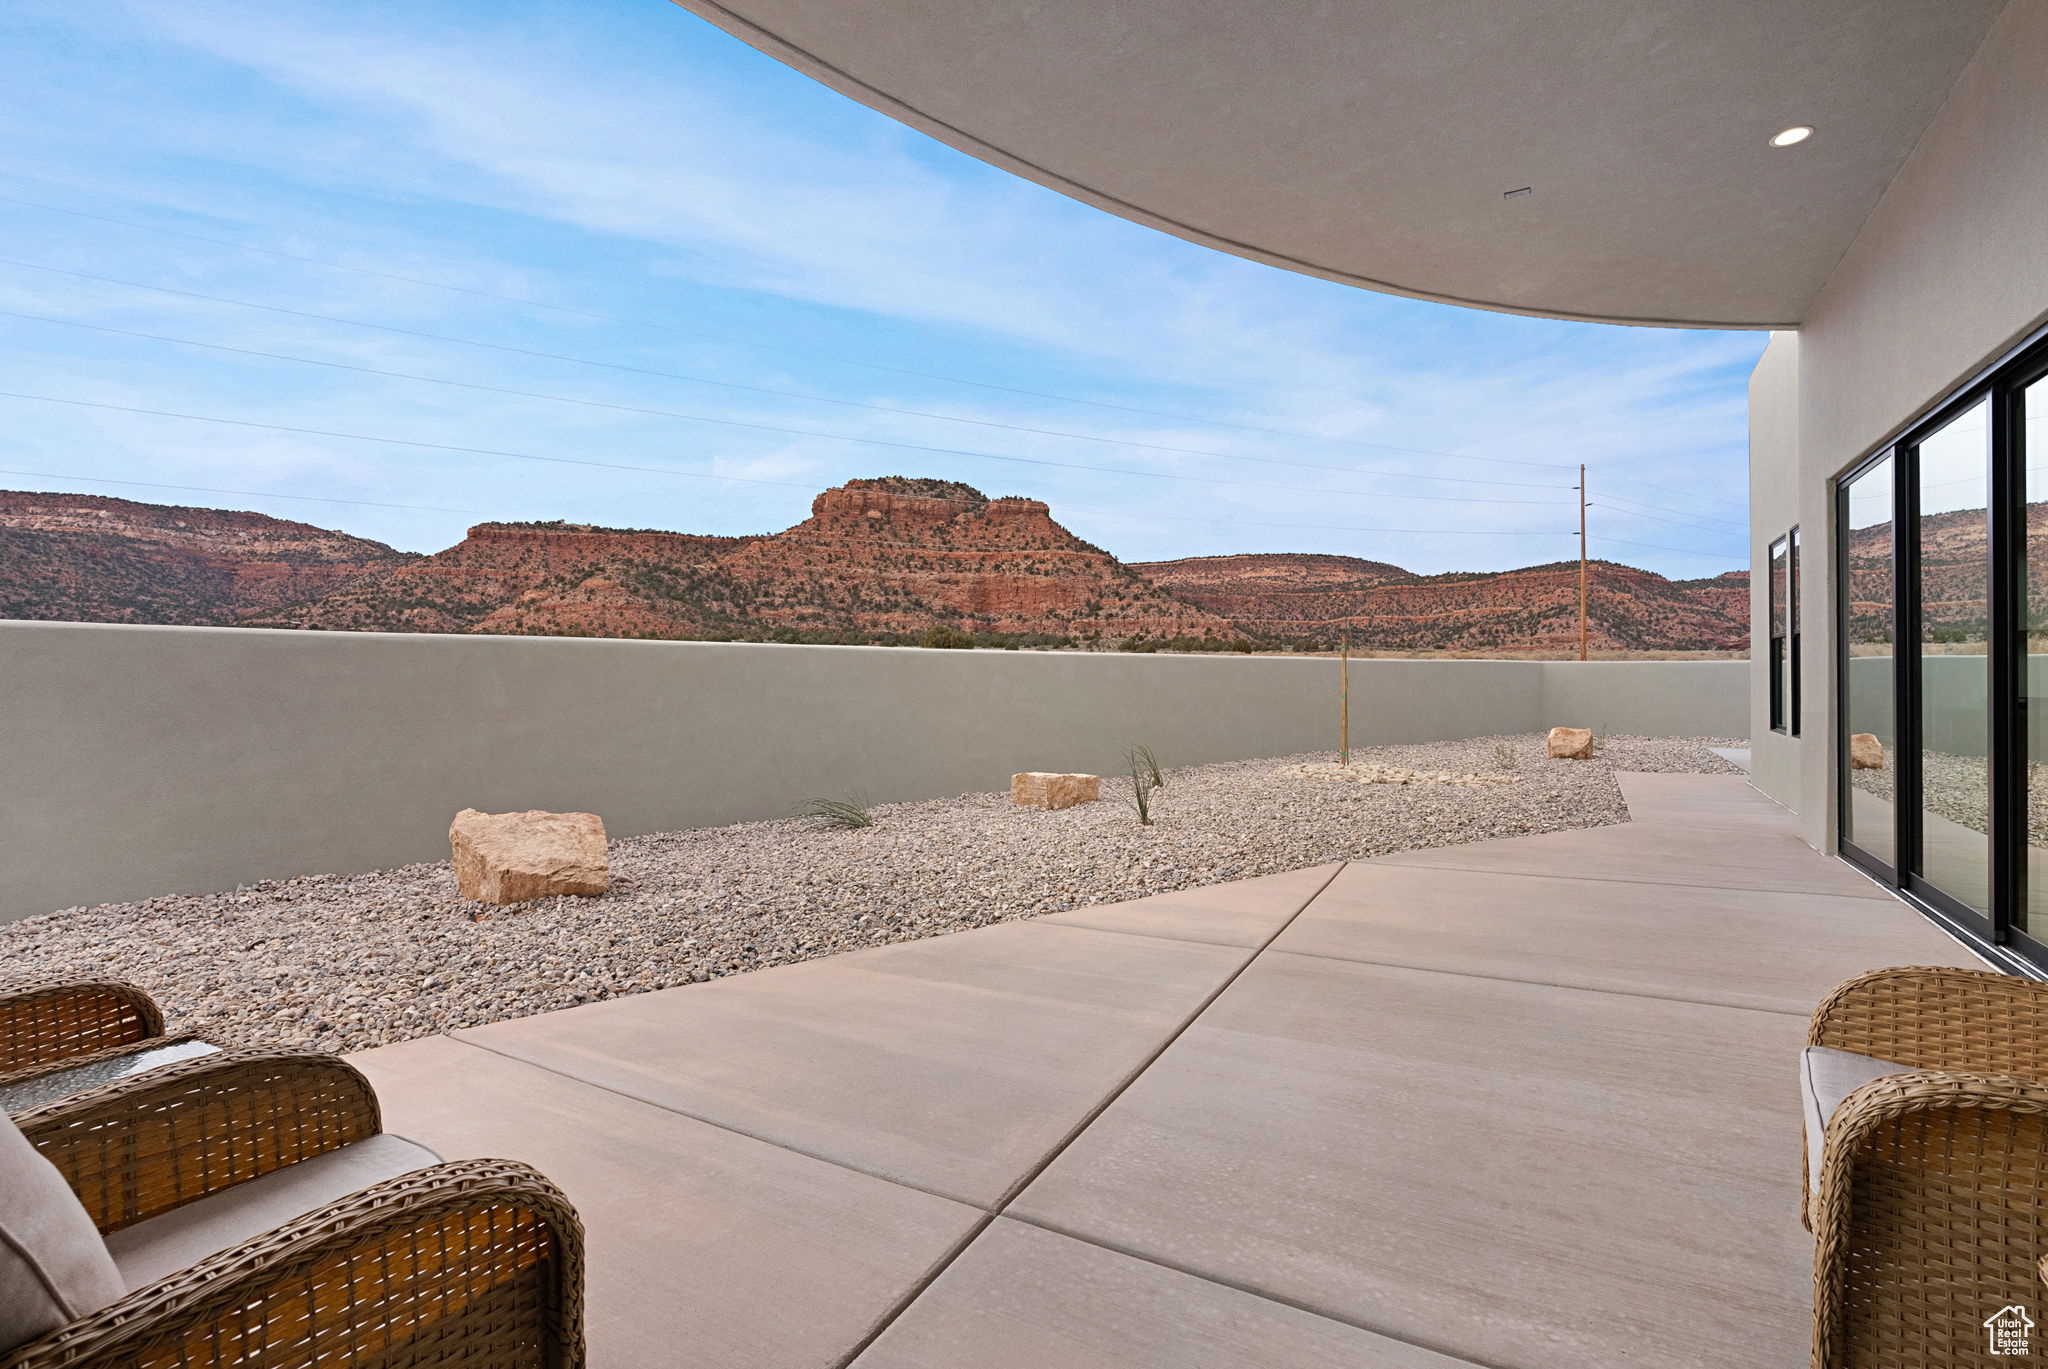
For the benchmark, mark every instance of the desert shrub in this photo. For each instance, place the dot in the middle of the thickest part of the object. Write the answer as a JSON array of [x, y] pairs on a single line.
[[948, 638], [1141, 789], [1504, 757], [851, 811], [1140, 758]]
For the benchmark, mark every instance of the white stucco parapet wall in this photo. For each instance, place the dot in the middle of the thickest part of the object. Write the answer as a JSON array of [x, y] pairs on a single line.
[[156, 760]]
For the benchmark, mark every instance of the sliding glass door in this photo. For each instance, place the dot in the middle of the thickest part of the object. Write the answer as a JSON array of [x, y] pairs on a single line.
[[1942, 579], [2030, 434], [1869, 623], [1951, 685]]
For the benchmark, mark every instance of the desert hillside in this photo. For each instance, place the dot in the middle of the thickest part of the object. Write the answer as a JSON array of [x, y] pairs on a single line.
[[884, 560], [88, 558], [1315, 598]]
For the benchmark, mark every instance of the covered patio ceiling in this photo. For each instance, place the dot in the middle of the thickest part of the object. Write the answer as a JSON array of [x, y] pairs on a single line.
[[1374, 142]]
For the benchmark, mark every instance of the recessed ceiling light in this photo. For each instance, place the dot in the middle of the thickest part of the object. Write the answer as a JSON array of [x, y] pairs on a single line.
[[1797, 134], [1517, 194]]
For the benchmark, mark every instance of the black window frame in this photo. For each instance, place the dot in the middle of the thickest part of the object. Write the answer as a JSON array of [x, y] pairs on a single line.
[[1777, 621], [2002, 385], [1907, 590], [1792, 695], [1885, 871], [2009, 739]]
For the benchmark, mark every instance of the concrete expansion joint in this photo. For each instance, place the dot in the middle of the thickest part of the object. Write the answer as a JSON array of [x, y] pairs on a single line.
[[1002, 1204]]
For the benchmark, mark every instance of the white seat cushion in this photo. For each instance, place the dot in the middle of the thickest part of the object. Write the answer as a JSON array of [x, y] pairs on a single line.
[[1826, 1077], [185, 1235], [54, 1268]]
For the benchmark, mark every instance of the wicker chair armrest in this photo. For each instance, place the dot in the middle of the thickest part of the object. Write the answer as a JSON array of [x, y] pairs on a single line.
[[142, 1146], [1884, 1100], [45, 1024], [477, 1262], [1957, 1189], [149, 1043], [1935, 1017]]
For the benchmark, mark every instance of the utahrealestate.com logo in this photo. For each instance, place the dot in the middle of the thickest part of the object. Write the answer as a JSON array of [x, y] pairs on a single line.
[[2008, 1329]]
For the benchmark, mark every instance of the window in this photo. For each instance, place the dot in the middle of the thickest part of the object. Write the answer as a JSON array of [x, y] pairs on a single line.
[[2030, 455], [1952, 678], [1780, 626], [1942, 575], [1792, 633], [1868, 614]]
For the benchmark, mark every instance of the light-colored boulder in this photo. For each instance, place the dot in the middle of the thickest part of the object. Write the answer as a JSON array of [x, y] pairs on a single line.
[[1866, 752], [513, 857], [1041, 789], [1569, 744]]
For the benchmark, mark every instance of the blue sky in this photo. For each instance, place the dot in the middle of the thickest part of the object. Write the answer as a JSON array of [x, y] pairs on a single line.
[[689, 207]]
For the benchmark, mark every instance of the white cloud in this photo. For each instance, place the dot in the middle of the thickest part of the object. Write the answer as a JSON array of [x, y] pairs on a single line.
[[837, 222]]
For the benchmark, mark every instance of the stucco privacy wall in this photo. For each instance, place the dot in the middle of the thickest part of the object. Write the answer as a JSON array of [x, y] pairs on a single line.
[[1773, 512], [1950, 269], [1640, 698], [155, 760]]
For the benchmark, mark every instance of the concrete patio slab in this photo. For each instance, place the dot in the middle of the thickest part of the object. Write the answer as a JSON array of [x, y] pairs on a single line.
[[696, 1236], [1734, 755], [1244, 913], [1667, 941], [1518, 1174], [1702, 801], [1523, 1104], [1653, 792], [1760, 815], [954, 1064], [1024, 1298], [1649, 800], [1657, 853], [1727, 817]]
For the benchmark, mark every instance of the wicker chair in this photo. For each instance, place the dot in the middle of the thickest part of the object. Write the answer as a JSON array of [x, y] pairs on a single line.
[[60, 1039], [1930, 1210], [55, 1026], [477, 1262]]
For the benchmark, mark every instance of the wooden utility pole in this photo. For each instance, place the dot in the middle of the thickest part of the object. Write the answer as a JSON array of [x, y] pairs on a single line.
[[1582, 561], [1344, 698]]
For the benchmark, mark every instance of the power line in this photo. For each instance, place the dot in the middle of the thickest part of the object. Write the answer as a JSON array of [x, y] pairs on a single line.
[[1652, 546], [758, 427], [764, 346], [245, 494], [740, 479], [1379, 472], [1315, 527], [1697, 517], [1667, 489], [1711, 532]]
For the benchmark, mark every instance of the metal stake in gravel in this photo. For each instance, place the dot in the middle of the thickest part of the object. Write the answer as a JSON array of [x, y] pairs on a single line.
[[1344, 698]]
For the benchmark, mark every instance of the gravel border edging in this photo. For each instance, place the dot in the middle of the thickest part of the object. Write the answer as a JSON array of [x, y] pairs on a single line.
[[346, 962]]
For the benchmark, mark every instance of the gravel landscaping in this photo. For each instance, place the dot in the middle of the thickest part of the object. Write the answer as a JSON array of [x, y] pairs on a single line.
[[345, 962]]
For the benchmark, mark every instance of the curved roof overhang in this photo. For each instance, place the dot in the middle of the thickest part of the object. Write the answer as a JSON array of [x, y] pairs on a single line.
[[1374, 142]]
